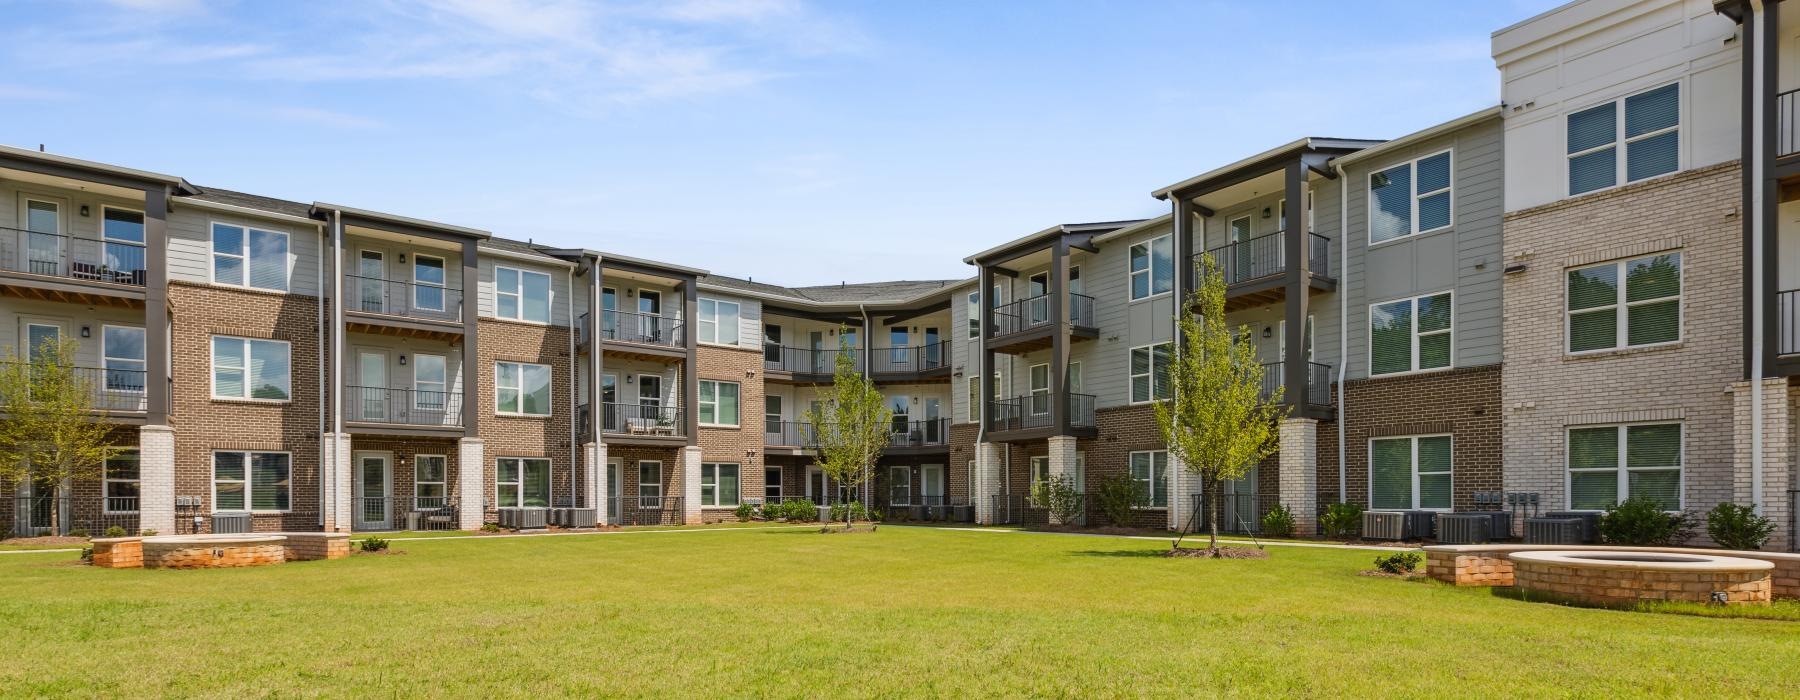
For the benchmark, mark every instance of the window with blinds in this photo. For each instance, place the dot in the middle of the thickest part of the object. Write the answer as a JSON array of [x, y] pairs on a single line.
[[1610, 463], [1410, 473], [1645, 309], [1410, 335], [1410, 198], [1650, 122]]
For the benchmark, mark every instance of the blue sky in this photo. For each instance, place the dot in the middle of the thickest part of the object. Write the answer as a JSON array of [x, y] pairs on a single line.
[[797, 142]]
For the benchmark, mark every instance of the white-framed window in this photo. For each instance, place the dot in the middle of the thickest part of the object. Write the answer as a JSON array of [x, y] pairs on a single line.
[[1150, 469], [123, 231], [251, 369], [771, 484], [772, 413], [718, 403], [900, 486], [522, 482], [719, 321], [1651, 123], [121, 482], [1040, 389], [430, 474], [122, 355], [1413, 472], [244, 256], [259, 482], [975, 314], [431, 382], [1410, 335], [1410, 198], [1040, 471], [521, 389], [1604, 314], [718, 485], [428, 282], [1610, 463], [1152, 267], [1150, 372], [521, 295], [650, 485]]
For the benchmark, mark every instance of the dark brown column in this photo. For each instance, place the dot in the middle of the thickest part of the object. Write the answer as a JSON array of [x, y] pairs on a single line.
[[1294, 369], [985, 362], [156, 306], [471, 360], [690, 369], [1059, 338], [1771, 200]]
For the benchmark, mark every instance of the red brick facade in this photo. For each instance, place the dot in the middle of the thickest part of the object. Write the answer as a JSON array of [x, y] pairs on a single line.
[[522, 436], [741, 444], [1463, 402]]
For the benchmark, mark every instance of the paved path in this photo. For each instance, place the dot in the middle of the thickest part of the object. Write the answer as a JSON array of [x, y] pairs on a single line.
[[1190, 538]]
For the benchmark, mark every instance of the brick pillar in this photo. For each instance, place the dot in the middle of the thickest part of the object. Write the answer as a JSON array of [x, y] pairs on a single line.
[[690, 485], [336, 475], [156, 478], [987, 481], [593, 494], [1062, 463], [1300, 472], [1183, 486], [471, 484], [1777, 441]]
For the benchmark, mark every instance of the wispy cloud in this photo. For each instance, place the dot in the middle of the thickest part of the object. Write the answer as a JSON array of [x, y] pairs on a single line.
[[320, 117], [27, 92]]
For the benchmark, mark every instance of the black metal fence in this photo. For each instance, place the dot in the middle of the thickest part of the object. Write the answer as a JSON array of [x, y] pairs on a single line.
[[120, 390], [633, 327], [1318, 381], [910, 359], [392, 513], [808, 361], [642, 419], [72, 257], [652, 510], [374, 404], [48, 515], [1263, 256], [399, 298]]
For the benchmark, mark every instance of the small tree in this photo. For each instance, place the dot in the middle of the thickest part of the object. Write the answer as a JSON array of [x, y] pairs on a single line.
[[1219, 422], [1058, 495], [1118, 496], [851, 424], [50, 432]]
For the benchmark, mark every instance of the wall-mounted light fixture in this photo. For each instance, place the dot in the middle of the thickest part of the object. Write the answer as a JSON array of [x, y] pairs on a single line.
[[85, 332], [402, 258], [84, 211], [1268, 332], [627, 379], [402, 360], [1267, 212]]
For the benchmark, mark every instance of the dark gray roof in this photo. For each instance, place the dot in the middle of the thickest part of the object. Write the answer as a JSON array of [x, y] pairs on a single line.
[[510, 245], [858, 293], [253, 201]]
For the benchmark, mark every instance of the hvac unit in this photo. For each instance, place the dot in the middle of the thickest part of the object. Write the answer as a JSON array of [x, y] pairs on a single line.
[[1554, 531], [1590, 523], [1420, 524], [228, 523], [962, 514], [525, 518], [1383, 525], [1501, 526], [580, 517], [1464, 528]]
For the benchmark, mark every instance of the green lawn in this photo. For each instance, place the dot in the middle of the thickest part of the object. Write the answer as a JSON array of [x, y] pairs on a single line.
[[902, 612]]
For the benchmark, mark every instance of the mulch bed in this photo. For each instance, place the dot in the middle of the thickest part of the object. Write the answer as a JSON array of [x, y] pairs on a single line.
[[380, 553], [1377, 573], [39, 541], [1217, 553]]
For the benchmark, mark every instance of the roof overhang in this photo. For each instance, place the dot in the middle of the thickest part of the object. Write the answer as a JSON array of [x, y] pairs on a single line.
[[1312, 152], [1078, 236], [1426, 133], [50, 164], [353, 216]]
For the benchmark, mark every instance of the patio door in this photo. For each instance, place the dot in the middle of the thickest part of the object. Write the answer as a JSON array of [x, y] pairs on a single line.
[[373, 485], [612, 492], [371, 269], [816, 343], [371, 375], [650, 318], [934, 431], [1240, 503], [815, 486], [1238, 265], [42, 224], [1037, 290], [931, 484], [38, 336]]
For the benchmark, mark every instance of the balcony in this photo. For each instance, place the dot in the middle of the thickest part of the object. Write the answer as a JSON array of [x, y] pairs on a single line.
[[633, 333], [630, 423], [1255, 269], [805, 365], [908, 436], [1318, 383], [410, 300], [95, 265], [111, 390], [1787, 108], [1027, 325], [912, 362], [1030, 415], [426, 412]]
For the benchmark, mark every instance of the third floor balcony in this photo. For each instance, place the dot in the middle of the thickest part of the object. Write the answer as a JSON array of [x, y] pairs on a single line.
[[1255, 269], [1030, 416], [632, 423], [399, 299], [905, 437], [806, 365], [1030, 324], [94, 264], [631, 332]]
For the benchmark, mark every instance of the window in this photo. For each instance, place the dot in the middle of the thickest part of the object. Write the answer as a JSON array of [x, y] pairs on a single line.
[[431, 381], [899, 486], [1608, 464], [1151, 471], [1651, 121], [718, 485], [1410, 473], [249, 257], [718, 402], [975, 314], [428, 481], [428, 282], [521, 389], [521, 295], [521, 482], [649, 485], [974, 403], [1150, 372], [122, 355], [1152, 268], [122, 482], [719, 322], [1410, 335], [772, 414], [771, 484], [123, 230], [1650, 298], [252, 481], [1040, 389], [249, 368], [1410, 198], [1040, 472]]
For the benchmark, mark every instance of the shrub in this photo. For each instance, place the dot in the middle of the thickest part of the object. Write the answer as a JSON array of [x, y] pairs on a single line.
[[1738, 527], [115, 531], [374, 544], [148, 533], [797, 510], [857, 511], [1278, 522], [1341, 521], [1398, 562], [1641, 522], [87, 554], [78, 532], [1117, 496], [1057, 494], [745, 512], [490, 527]]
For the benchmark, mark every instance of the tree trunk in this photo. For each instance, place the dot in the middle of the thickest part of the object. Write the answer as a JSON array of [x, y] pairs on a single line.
[[1212, 541]]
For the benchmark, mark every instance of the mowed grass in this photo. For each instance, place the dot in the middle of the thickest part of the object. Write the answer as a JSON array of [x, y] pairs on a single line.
[[905, 612]]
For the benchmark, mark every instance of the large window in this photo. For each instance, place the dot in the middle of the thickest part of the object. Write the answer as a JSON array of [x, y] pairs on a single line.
[[650, 485], [1152, 267], [718, 485], [1610, 463], [252, 481], [719, 322], [521, 482], [771, 484], [521, 389], [1040, 472], [1410, 198], [718, 403], [122, 354], [431, 382], [1410, 473], [772, 413], [1040, 389], [1151, 471], [1410, 335], [1646, 310], [250, 257], [521, 295], [122, 482], [899, 486], [428, 282], [1150, 373], [123, 230], [974, 402], [1651, 124], [429, 475], [249, 368]]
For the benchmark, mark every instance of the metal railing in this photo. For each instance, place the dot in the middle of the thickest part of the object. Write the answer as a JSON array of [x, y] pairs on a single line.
[[111, 389], [640, 419], [785, 433], [1788, 307], [652, 510], [373, 404], [1239, 513], [398, 298], [1028, 314], [1009, 508], [1787, 106], [930, 509], [1264, 256], [633, 327], [1033, 411], [56, 515], [1318, 381], [819, 362], [911, 359], [913, 433], [73, 257]]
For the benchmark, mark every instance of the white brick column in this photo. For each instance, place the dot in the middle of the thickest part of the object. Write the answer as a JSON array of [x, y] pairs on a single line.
[[1777, 455], [987, 481], [1062, 463], [1183, 485], [156, 479], [471, 484], [593, 495], [1300, 472], [335, 474], [690, 485]]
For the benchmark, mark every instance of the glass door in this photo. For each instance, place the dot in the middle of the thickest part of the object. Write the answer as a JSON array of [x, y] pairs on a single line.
[[372, 491], [371, 375], [934, 430], [43, 236], [371, 269], [931, 484], [1037, 291], [650, 318], [612, 493]]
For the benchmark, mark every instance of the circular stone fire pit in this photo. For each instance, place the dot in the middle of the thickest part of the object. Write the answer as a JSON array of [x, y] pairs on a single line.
[[1614, 578], [213, 551]]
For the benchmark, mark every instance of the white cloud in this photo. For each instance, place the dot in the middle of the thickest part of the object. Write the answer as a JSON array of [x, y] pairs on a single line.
[[27, 92], [321, 117]]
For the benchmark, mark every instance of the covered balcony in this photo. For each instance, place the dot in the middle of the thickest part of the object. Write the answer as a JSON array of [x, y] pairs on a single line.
[[913, 362], [117, 393], [1026, 325], [1318, 384], [1025, 417], [436, 411], [906, 437], [636, 423], [1255, 269], [401, 299], [635, 334], [806, 365]]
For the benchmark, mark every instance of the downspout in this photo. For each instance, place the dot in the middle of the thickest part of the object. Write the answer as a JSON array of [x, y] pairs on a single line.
[[337, 351], [1343, 323], [1757, 224], [326, 391], [575, 452], [868, 341]]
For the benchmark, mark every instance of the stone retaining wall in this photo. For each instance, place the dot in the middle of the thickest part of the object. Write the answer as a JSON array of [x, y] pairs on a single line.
[[309, 546], [212, 555], [1628, 586], [118, 552], [1488, 565]]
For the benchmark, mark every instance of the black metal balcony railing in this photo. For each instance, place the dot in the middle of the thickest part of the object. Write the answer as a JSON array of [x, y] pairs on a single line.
[[1788, 307], [374, 404], [1026, 412], [52, 514], [905, 433], [1787, 107], [1264, 256], [633, 327], [781, 433], [822, 361], [642, 419], [910, 360], [73, 257], [111, 389], [407, 299], [1318, 381], [651, 510], [1028, 314]]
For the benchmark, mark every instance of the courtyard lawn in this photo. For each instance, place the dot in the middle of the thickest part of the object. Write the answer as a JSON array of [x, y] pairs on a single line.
[[788, 612]]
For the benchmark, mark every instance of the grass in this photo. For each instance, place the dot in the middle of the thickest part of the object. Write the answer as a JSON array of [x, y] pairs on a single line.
[[788, 612]]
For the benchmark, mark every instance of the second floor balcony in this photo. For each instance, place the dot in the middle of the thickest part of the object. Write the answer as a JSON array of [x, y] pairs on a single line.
[[1028, 324], [1255, 269], [652, 331], [910, 362], [53, 255], [1318, 383], [368, 295], [1033, 413], [905, 435], [384, 406], [112, 391], [648, 422], [806, 365]]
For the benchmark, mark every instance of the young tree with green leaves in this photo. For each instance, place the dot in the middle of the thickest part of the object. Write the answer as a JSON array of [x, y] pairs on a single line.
[[51, 431], [1219, 423], [852, 424]]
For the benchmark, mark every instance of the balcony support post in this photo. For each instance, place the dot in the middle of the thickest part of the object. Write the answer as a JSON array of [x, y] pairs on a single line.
[[156, 306], [690, 369], [985, 365], [471, 355], [1298, 272], [471, 480], [1059, 336], [1063, 463]]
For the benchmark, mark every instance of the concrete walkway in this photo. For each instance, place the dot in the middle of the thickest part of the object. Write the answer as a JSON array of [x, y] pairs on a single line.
[[1190, 538]]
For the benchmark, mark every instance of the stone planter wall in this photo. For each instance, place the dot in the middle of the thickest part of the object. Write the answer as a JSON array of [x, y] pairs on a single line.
[[1624, 587], [118, 552]]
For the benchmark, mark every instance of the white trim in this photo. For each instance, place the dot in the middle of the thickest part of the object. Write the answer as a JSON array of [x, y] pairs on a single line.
[[104, 357], [518, 292], [1031, 390], [1413, 198], [211, 359], [387, 488], [444, 287], [1413, 307], [1130, 385], [444, 483], [717, 501], [106, 480], [641, 484], [701, 319], [892, 483], [549, 403], [1624, 472], [1413, 467], [243, 255], [1153, 482], [1620, 307], [249, 480], [717, 404], [1619, 140], [1150, 268], [415, 377], [519, 485]]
